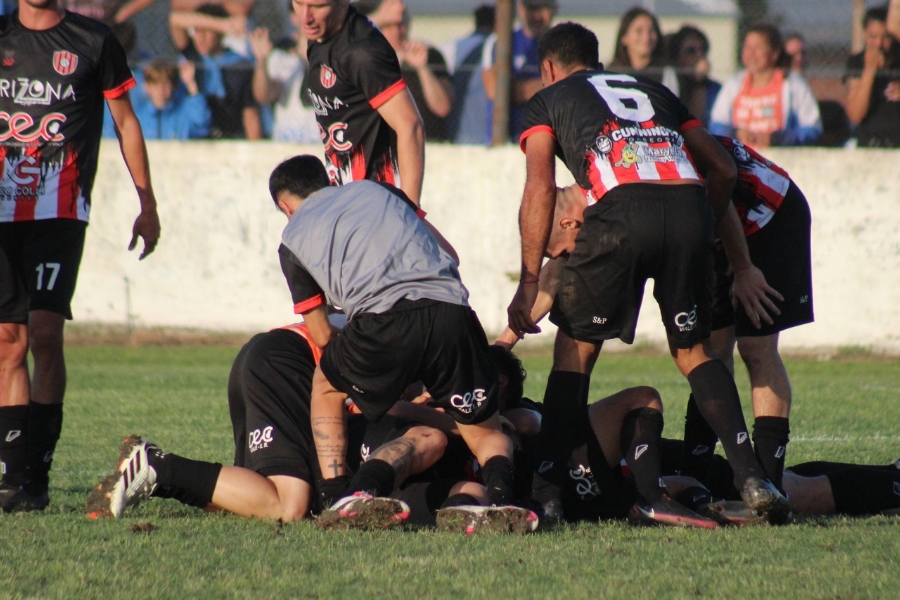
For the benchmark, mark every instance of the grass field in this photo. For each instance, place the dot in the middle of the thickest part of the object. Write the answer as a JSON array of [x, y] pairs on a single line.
[[844, 410]]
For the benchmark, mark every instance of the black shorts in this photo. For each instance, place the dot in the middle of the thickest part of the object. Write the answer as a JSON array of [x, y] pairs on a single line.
[[376, 356], [590, 489], [639, 232], [781, 250], [269, 396], [39, 263]]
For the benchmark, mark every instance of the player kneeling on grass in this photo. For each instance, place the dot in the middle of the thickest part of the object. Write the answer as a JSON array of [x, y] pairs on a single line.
[[365, 247]]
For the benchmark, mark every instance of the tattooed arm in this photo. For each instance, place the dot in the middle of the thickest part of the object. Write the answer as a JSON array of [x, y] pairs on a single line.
[[328, 426]]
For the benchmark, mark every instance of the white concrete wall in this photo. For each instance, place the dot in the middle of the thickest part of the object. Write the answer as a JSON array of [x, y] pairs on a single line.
[[217, 268]]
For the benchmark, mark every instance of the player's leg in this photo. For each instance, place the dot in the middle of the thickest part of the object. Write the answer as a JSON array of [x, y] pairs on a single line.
[[51, 255], [14, 379], [847, 489], [771, 393]]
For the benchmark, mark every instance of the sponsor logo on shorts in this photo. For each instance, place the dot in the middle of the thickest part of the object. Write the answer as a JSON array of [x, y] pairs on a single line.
[[13, 434], [357, 390], [585, 484], [685, 321], [260, 438], [804, 299], [599, 320], [466, 403], [741, 437], [365, 452]]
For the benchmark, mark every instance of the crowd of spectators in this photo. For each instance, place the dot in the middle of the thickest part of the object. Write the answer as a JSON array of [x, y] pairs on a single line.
[[233, 80]]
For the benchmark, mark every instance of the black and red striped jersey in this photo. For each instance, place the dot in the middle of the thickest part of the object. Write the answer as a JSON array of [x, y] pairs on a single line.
[[760, 188], [53, 84], [612, 129], [351, 75]]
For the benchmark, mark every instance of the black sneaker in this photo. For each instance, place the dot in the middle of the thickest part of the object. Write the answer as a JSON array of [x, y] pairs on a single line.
[[762, 497], [666, 511], [548, 496], [22, 501]]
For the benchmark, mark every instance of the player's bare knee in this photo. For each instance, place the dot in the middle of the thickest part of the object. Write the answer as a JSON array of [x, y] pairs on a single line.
[[476, 490], [645, 396], [13, 345]]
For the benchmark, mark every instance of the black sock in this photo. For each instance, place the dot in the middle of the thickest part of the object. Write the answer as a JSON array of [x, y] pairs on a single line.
[[816, 468], [719, 403], [375, 477], [44, 427], [497, 474], [460, 500], [863, 490], [699, 444], [564, 402], [770, 438], [191, 482], [641, 430], [13, 444], [694, 497]]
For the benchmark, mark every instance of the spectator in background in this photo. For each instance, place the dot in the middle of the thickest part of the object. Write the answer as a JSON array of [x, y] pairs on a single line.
[[169, 113], [113, 13], [225, 78], [795, 48], [278, 79], [639, 49], [689, 53], [234, 33], [425, 72], [467, 122], [873, 84], [762, 105], [535, 17]]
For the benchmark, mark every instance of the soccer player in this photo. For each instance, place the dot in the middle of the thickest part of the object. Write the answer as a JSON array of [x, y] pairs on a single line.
[[58, 68], [408, 319], [275, 468], [776, 221], [632, 146], [369, 122]]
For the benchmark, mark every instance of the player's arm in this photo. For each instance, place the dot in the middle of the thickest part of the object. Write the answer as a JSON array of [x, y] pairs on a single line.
[[400, 112], [547, 286], [252, 123], [535, 218], [893, 19], [232, 7], [523, 88], [265, 89], [129, 9], [750, 286], [134, 151], [321, 331]]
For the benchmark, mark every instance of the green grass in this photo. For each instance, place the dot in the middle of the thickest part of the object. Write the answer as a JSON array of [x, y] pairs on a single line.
[[844, 410]]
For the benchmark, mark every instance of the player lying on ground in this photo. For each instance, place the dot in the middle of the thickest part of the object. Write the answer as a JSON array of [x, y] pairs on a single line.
[[275, 466], [408, 320]]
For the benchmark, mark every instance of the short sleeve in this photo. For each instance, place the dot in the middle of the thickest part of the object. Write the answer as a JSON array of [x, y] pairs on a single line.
[[536, 119], [372, 64], [115, 76], [305, 292]]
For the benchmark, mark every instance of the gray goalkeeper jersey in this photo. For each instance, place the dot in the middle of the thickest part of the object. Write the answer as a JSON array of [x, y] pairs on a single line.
[[366, 248]]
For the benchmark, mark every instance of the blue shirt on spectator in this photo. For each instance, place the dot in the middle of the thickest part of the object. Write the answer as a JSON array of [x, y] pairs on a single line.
[[525, 65]]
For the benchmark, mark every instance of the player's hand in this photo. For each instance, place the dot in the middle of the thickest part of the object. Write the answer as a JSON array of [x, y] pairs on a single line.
[[146, 226], [873, 59], [755, 295], [892, 91], [519, 311], [260, 44]]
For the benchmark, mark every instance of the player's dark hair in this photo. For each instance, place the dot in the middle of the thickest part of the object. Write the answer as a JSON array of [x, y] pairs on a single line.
[[570, 44], [876, 13], [620, 54], [302, 175], [213, 10], [508, 364]]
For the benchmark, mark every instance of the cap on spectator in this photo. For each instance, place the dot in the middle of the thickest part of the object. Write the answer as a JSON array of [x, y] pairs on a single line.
[[540, 4]]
